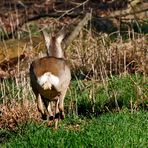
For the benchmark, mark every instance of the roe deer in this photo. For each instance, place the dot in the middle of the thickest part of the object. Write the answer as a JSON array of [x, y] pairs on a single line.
[[50, 78]]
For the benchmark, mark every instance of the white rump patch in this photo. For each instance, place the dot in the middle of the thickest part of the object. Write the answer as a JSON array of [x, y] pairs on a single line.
[[47, 80]]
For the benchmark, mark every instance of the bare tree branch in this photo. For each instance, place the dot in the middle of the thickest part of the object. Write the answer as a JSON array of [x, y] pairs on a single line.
[[77, 29]]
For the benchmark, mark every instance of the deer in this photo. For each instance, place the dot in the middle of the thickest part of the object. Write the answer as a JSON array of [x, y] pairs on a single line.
[[50, 79]]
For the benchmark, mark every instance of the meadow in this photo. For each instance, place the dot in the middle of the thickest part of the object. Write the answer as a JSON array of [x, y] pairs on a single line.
[[115, 117], [123, 129], [106, 104]]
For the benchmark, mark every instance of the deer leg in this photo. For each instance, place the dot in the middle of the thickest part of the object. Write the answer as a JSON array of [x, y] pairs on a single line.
[[49, 109], [57, 115], [40, 106], [61, 105]]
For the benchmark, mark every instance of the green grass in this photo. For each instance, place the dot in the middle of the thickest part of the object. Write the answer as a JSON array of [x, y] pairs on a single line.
[[118, 92], [123, 129], [112, 114]]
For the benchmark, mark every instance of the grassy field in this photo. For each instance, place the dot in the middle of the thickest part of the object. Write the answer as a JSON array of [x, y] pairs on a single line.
[[123, 129], [106, 105], [109, 114]]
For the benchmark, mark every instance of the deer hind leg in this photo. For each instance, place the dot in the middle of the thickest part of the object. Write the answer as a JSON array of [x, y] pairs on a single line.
[[49, 109], [57, 115], [40, 105], [61, 105], [50, 113]]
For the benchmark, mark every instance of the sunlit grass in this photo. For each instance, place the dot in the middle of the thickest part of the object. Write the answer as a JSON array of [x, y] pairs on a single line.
[[123, 129]]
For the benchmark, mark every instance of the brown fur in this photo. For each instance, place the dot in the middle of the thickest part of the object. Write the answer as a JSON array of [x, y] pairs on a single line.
[[50, 64], [52, 47]]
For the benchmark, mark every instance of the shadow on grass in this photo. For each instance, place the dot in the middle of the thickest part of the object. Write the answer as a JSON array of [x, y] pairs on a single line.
[[126, 92], [89, 110]]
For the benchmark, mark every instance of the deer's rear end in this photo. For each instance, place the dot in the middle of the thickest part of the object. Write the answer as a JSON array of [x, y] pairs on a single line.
[[50, 78]]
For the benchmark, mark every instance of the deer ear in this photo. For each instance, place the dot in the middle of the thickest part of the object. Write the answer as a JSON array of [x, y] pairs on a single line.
[[47, 38], [61, 35], [60, 38]]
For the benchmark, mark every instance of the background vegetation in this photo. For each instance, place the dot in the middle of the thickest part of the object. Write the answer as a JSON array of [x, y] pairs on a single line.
[[107, 102]]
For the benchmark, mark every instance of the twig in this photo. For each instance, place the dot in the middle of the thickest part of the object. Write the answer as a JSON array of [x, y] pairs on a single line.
[[70, 10]]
